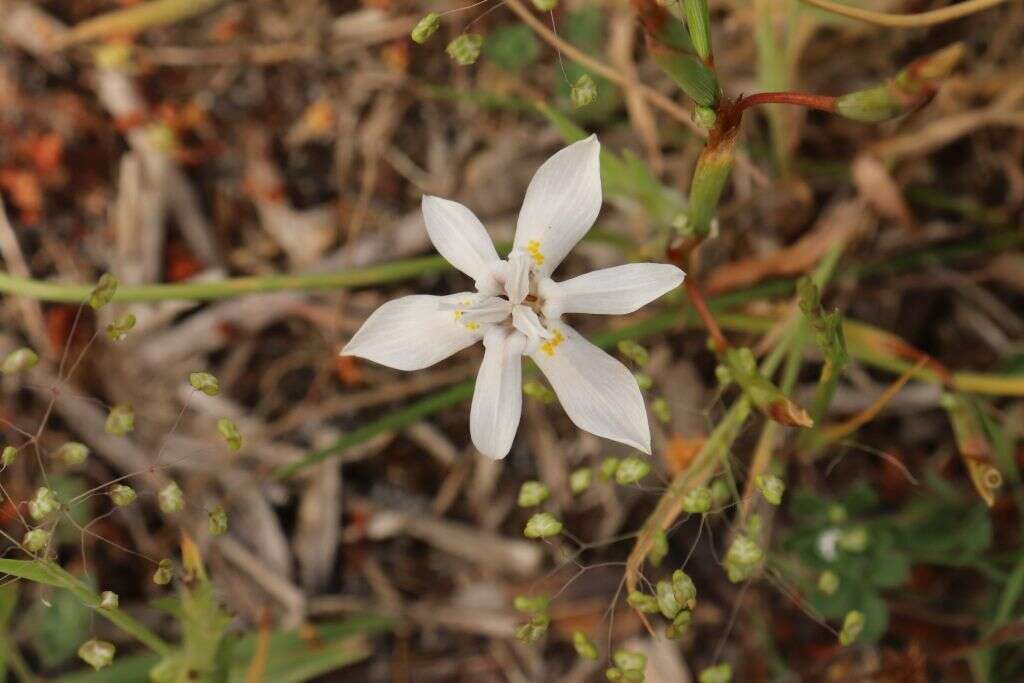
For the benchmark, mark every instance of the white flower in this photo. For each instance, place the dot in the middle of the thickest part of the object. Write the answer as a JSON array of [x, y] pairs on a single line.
[[516, 310]]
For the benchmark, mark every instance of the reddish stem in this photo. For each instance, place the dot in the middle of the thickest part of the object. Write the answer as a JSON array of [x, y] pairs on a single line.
[[697, 299], [800, 99]]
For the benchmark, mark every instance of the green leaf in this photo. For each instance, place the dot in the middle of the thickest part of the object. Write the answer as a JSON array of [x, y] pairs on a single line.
[[889, 569], [59, 628], [30, 570]]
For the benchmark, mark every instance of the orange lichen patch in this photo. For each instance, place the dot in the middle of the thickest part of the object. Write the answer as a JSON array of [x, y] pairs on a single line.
[[681, 450], [349, 371]]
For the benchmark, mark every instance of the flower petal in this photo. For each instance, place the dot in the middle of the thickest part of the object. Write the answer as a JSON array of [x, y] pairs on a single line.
[[498, 397], [414, 332], [462, 240], [527, 322], [618, 290], [597, 392], [561, 204]]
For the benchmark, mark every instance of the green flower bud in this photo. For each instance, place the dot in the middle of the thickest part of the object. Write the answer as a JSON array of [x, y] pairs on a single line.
[[659, 548], [122, 495], [218, 521], [44, 504], [19, 360], [608, 468], [585, 647], [836, 513], [631, 470], [120, 420], [542, 525], [164, 573], [720, 493], [109, 600], [696, 501], [853, 625], [10, 454], [121, 326], [534, 629], [855, 540], [35, 540], [634, 352], [465, 49], [613, 674], [204, 382], [742, 559], [535, 604], [642, 602], [97, 653], [425, 28], [532, 493], [661, 410], [103, 292], [684, 589], [171, 499], [771, 487], [538, 391], [704, 117], [667, 603], [583, 92], [753, 526], [643, 381], [720, 673], [828, 582], [580, 480], [630, 661], [678, 627], [229, 431], [72, 453], [545, 5]]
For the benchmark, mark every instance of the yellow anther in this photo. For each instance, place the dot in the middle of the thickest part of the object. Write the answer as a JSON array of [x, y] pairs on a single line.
[[550, 345], [472, 326], [533, 248], [458, 315]]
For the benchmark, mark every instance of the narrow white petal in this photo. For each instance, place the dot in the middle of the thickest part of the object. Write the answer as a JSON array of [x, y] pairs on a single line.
[[517, 277], [618, 290], [498, 396], [597, 392], [561, 204], [527, 322], [491, 309], [414, 332], [462, 240]]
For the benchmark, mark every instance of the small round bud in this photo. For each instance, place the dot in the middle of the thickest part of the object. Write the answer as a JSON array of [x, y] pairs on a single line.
[[122, 495], [534, 629], [585, 647], [218, 521], [532, 493], [720, 673], [855, 540], [10, 454], [631, 470], [828, 582], [634, 352], [120, 420], [19, 360], [72, 453], [583, 92], [97, 653], [659, 548], [542, 525], [545, 5], [425, 28], [684, 589], [679, 625], [35, 540], [853, 625], [171, 499], [229, 431], [164, 573], [109, 600], [643, 381], [121, 326], [667, 603], [771, 487], [661, 410], [204, 382], [465, 49], [696, 501], [580, 480], [609, 466], [742, 559], [44, 504], [630, 661], [642, 602], [531, 604], [103, 292]]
